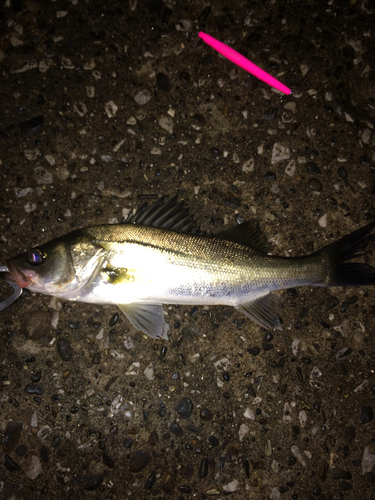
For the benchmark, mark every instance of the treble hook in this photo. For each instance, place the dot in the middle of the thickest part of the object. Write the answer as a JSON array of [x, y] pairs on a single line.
[[17, 290]]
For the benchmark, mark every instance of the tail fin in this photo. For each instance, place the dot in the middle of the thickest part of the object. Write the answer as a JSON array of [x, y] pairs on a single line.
[[342, 272]]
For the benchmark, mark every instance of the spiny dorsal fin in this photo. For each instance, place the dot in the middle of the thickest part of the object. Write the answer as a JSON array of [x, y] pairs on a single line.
[[248, 234], [166, 214]]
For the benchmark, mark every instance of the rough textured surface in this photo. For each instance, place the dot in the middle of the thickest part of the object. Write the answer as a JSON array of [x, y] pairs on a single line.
[[106, 104]]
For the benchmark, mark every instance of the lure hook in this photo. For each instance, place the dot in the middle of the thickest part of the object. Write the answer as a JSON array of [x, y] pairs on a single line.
[[17, 290]]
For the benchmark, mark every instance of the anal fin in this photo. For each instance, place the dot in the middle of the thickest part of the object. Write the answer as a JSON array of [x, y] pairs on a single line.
[[146, 317], [264, 310]]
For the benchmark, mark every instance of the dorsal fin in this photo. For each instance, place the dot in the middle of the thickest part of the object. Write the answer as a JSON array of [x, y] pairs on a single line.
[[166, 213], [248, 234]]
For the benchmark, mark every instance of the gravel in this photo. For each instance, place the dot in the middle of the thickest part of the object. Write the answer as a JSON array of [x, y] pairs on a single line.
[[105, 106]]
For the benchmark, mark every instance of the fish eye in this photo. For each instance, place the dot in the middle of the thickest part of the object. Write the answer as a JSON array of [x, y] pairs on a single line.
[[36, 256]]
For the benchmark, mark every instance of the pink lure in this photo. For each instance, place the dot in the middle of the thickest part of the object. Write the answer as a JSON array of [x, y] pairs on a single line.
[[244, 63]]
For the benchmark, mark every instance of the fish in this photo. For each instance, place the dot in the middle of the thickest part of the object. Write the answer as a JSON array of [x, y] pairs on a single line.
[[159, 255]]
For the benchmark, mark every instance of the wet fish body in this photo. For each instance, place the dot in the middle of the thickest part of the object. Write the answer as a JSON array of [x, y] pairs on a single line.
[[159, 256]]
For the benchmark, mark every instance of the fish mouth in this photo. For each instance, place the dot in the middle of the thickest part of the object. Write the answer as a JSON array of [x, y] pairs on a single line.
[[23, 277]]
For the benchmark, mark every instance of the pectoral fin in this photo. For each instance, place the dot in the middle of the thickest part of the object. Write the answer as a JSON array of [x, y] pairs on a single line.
[[146, 317], [264, 311]]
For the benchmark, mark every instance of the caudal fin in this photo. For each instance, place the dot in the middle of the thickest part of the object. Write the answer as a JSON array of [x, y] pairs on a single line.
[[343, 272]]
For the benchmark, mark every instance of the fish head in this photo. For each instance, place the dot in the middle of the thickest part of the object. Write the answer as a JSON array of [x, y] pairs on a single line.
[[43, 268], [61, 267]]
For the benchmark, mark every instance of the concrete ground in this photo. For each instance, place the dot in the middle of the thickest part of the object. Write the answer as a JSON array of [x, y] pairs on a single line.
[[106, 104]]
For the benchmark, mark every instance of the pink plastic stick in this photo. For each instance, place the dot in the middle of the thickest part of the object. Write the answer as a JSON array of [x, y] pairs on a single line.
[[244, 63]]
